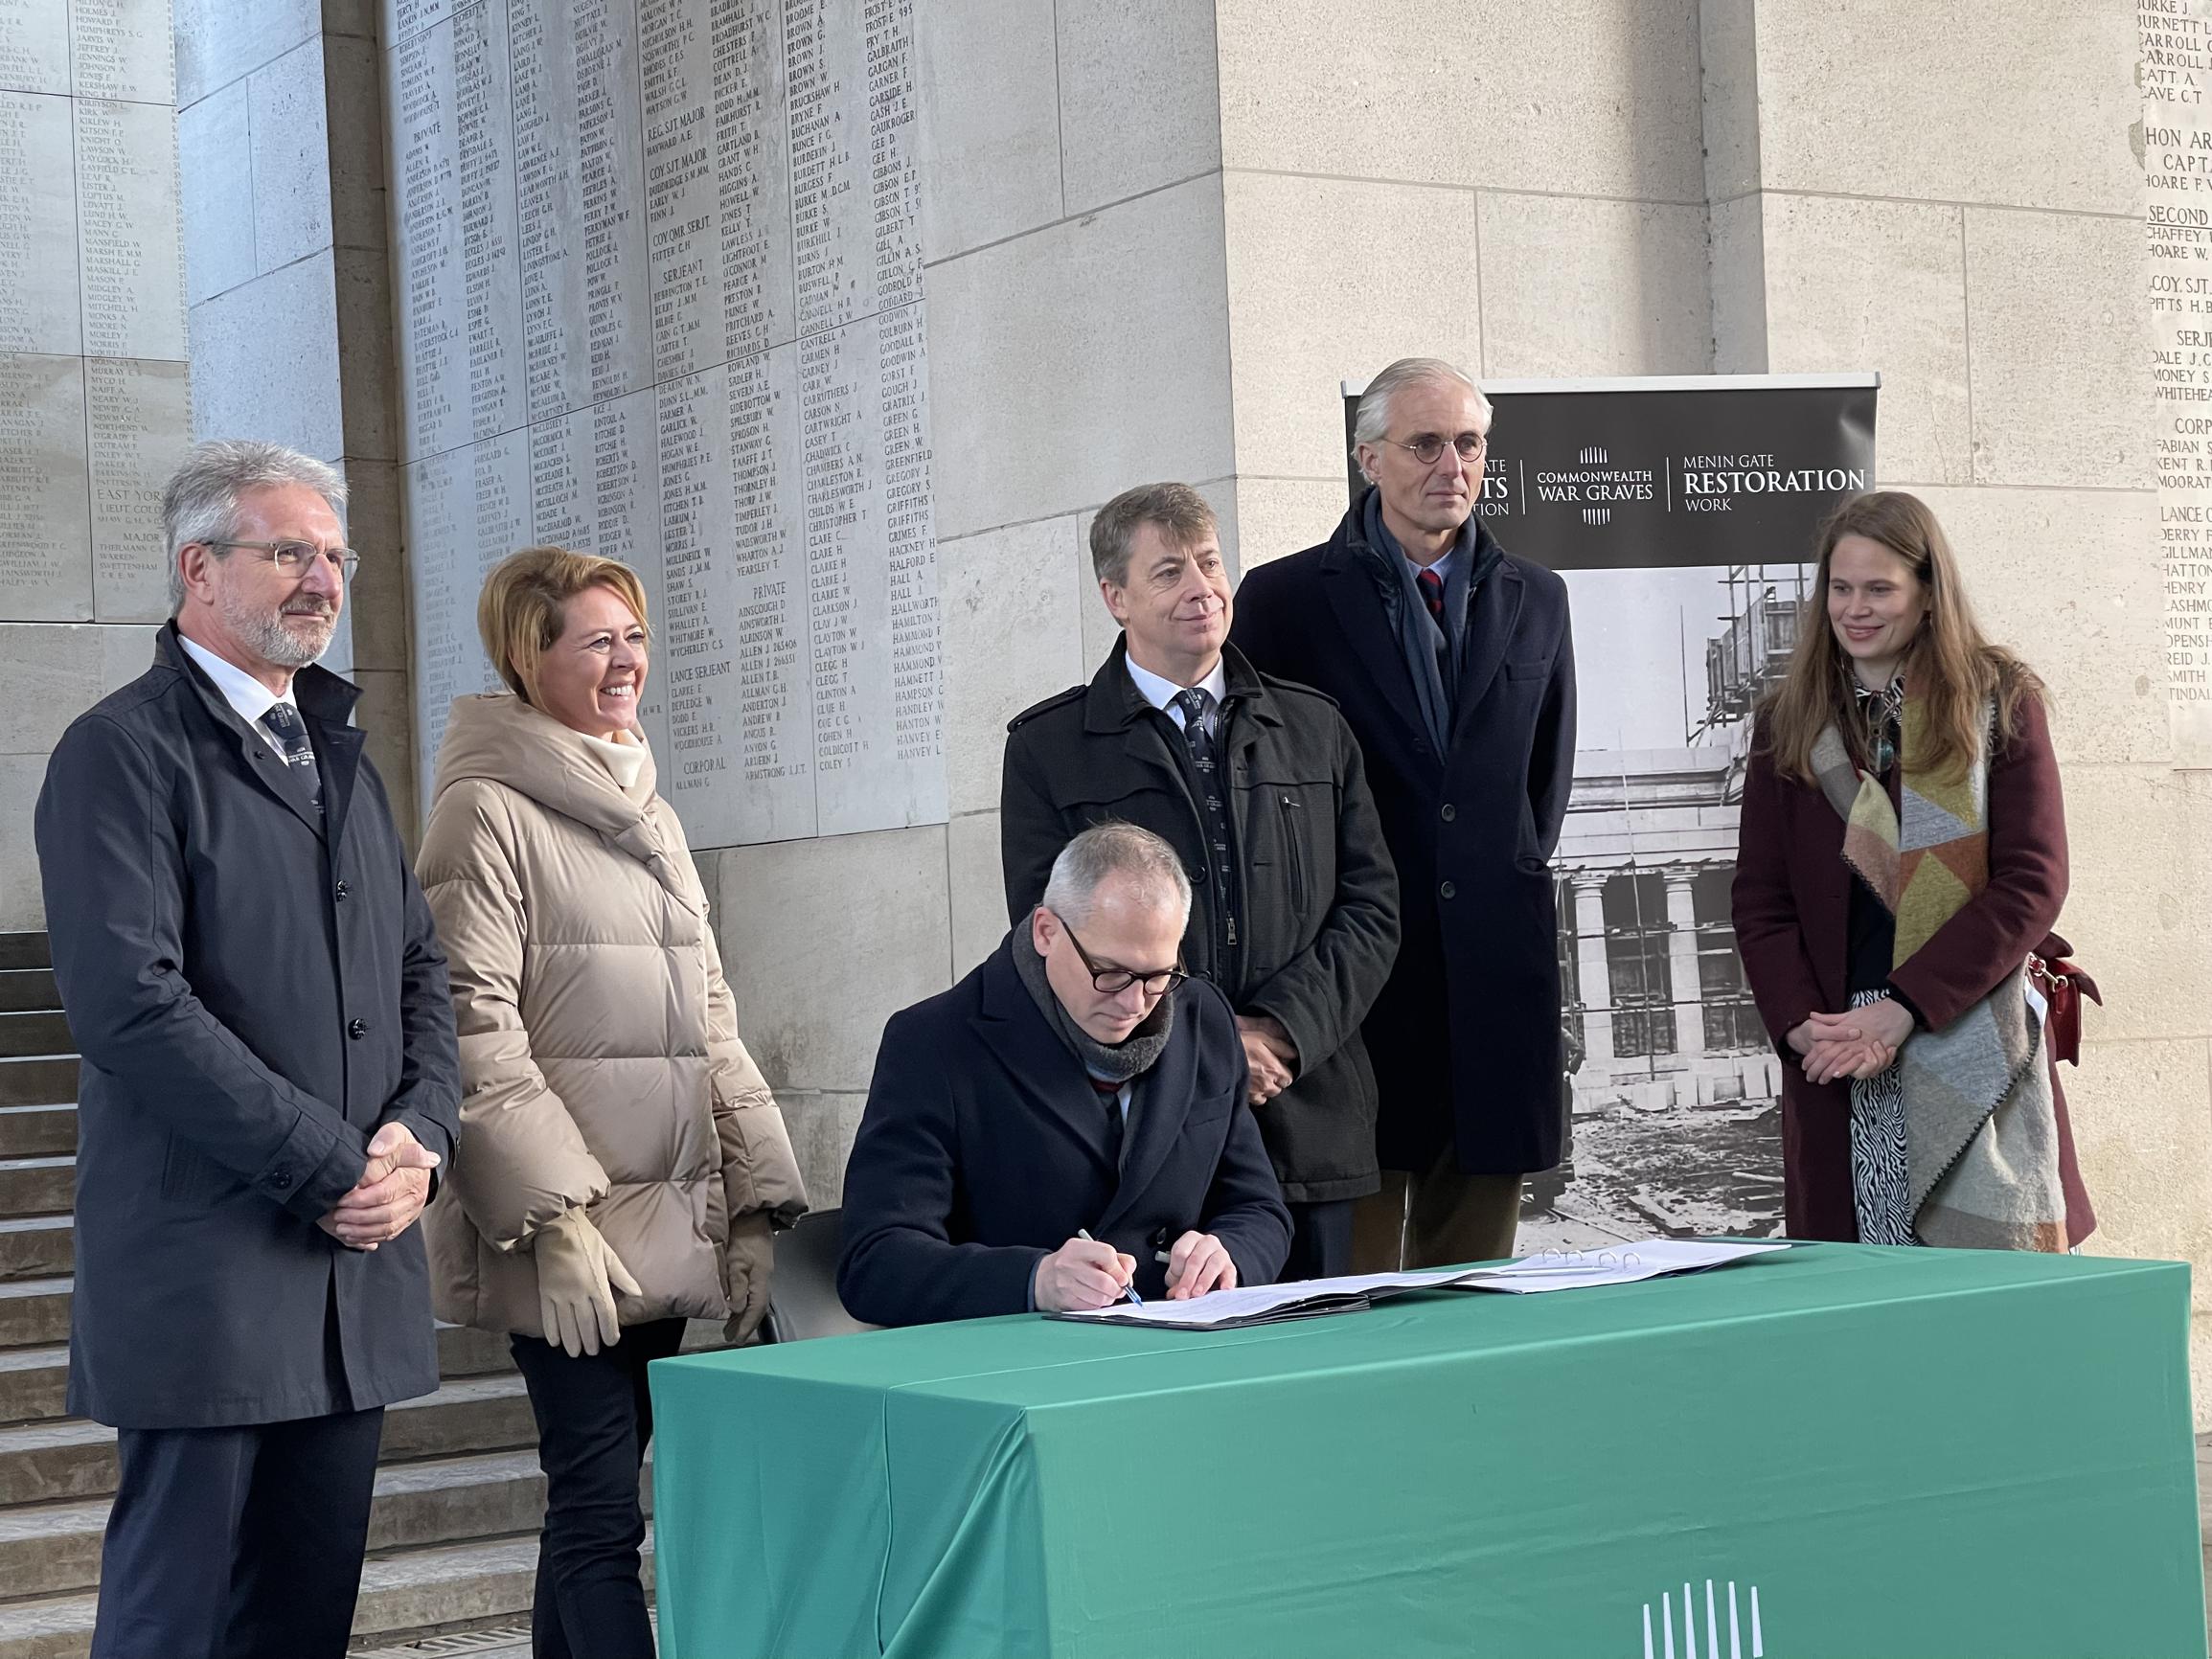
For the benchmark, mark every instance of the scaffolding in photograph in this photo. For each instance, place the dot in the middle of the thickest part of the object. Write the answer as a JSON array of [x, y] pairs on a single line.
[[1752, 651]]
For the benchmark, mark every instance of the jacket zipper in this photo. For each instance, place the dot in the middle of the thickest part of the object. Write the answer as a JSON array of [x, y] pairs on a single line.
[[1297, 854]]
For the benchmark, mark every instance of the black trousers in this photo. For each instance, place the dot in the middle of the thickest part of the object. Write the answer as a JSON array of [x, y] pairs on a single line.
[[1320, 1240], [594, 1422], [238, 1543]]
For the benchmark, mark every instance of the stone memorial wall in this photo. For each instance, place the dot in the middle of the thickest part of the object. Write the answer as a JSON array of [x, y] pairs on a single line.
[[93, 403], [94, 391], [2177, 78], [658, 276]]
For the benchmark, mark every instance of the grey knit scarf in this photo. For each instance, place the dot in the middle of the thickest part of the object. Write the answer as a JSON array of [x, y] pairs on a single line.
[[1117, 1063], [1435, 682]]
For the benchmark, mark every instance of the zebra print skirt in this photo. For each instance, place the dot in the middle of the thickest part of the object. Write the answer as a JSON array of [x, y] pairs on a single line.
[[1880, 1186]]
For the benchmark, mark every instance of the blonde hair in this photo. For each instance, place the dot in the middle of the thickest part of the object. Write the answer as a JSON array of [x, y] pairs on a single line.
[[1950, 666], [524, 605]]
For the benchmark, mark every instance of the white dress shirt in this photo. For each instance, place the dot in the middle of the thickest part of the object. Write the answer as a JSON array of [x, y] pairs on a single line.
[[1442, 566], [1161, 692], [242, 691]]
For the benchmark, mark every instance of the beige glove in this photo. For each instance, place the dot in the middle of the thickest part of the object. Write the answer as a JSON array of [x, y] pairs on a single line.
[[746, 1259], [577, 1277]]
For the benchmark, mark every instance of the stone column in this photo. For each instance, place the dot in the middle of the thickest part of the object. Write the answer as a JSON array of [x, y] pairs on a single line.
[[1688, 985], [280, 159], [1591, 968]]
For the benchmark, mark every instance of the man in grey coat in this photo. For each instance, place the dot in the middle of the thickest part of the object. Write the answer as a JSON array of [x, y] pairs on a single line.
[[269, 1081]]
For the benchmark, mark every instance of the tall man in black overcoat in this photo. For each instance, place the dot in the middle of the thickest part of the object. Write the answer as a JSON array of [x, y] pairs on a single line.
[[1453, 660], [269, 1079], [1258, 784]]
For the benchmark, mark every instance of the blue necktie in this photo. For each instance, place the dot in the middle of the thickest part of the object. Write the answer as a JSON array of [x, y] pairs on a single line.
[[1196, 703], [283, 723]]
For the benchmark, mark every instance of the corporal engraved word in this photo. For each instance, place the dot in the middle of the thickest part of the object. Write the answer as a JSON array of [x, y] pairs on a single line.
[[1736, 1649]]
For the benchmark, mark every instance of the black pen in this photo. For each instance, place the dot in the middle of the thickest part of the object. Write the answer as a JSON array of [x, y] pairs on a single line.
[[1128, 1291]]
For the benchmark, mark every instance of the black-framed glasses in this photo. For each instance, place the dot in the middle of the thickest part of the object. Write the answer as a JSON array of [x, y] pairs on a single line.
[[1428, 448], [1112, 981], [298, 557]]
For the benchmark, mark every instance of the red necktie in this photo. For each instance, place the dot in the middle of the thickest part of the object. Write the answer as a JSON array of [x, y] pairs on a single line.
[[1431, 587]]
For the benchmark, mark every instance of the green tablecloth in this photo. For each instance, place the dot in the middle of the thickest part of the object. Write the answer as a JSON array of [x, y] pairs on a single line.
[[1906, 1453]]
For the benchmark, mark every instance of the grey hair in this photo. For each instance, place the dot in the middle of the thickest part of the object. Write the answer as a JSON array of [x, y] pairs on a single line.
[[1113, 849], [200, 502], [1371, 421], [1182, 515]]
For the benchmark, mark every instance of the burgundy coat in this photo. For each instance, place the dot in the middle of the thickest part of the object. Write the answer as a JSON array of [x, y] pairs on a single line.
[[1793, 905]]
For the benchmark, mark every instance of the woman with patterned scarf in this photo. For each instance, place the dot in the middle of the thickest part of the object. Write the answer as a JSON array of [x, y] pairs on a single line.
[[1901, 860]]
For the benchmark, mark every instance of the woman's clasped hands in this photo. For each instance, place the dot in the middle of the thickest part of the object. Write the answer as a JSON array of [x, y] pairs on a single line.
[[1857, 1043]]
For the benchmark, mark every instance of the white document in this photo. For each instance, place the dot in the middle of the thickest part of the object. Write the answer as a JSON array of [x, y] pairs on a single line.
[[1266, 1301], [1623, 1263]]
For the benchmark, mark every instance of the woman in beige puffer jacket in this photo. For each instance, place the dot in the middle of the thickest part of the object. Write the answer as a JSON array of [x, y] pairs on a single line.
[[623, 1162]]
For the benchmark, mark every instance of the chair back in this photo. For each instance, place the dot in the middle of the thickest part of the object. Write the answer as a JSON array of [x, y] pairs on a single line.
[[803, 1290]]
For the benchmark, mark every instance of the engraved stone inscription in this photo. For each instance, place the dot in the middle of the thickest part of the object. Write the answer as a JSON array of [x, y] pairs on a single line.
[[38, 296], [45, 517], [2176, 77], [659, 261], [129, 250], [122, 49], [137, 415], [33, 45]]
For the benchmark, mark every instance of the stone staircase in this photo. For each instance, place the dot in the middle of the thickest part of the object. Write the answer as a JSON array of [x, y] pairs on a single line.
[[453, 1534]]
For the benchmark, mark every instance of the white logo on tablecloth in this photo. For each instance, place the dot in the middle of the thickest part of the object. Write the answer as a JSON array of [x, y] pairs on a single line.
[[1663, 1647]]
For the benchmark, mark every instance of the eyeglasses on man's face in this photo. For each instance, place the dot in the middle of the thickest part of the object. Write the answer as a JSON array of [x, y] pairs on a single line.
[[1108, 979], [295, 558], [1430, 447]]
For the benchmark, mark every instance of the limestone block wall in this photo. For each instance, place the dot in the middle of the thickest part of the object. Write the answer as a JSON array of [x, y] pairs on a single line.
[[1988, 255], [1519, 190], [94, 403], [1078, 342]]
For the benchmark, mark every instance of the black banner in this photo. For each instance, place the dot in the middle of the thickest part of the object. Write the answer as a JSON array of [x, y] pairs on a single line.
[[1712, 469]]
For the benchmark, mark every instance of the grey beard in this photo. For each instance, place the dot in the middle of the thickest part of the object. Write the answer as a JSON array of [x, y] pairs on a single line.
[[265, 634]]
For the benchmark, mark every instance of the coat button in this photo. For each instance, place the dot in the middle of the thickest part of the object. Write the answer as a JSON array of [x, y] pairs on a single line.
[[1449, 811], [360, 1028], [342, 889], [1447, 888]]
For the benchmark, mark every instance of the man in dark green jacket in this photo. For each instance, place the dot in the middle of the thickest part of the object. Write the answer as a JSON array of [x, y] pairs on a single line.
[[1258, 785]]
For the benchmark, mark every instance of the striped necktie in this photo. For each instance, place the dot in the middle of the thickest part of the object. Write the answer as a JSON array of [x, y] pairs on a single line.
[[1196, 704], [1431, 587], [284, 723]]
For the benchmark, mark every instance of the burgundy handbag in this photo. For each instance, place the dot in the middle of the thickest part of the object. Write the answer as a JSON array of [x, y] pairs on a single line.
[[2062, 985]]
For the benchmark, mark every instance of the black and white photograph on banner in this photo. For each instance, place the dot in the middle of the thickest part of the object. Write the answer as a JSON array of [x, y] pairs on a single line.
[[1680, 513]]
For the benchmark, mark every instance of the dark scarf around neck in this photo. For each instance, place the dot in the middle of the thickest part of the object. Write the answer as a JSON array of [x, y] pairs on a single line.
[[1117, 1063], [1433, 685]]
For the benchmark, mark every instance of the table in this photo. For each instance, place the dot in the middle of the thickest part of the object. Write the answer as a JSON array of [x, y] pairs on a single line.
[[1898, 1452]]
